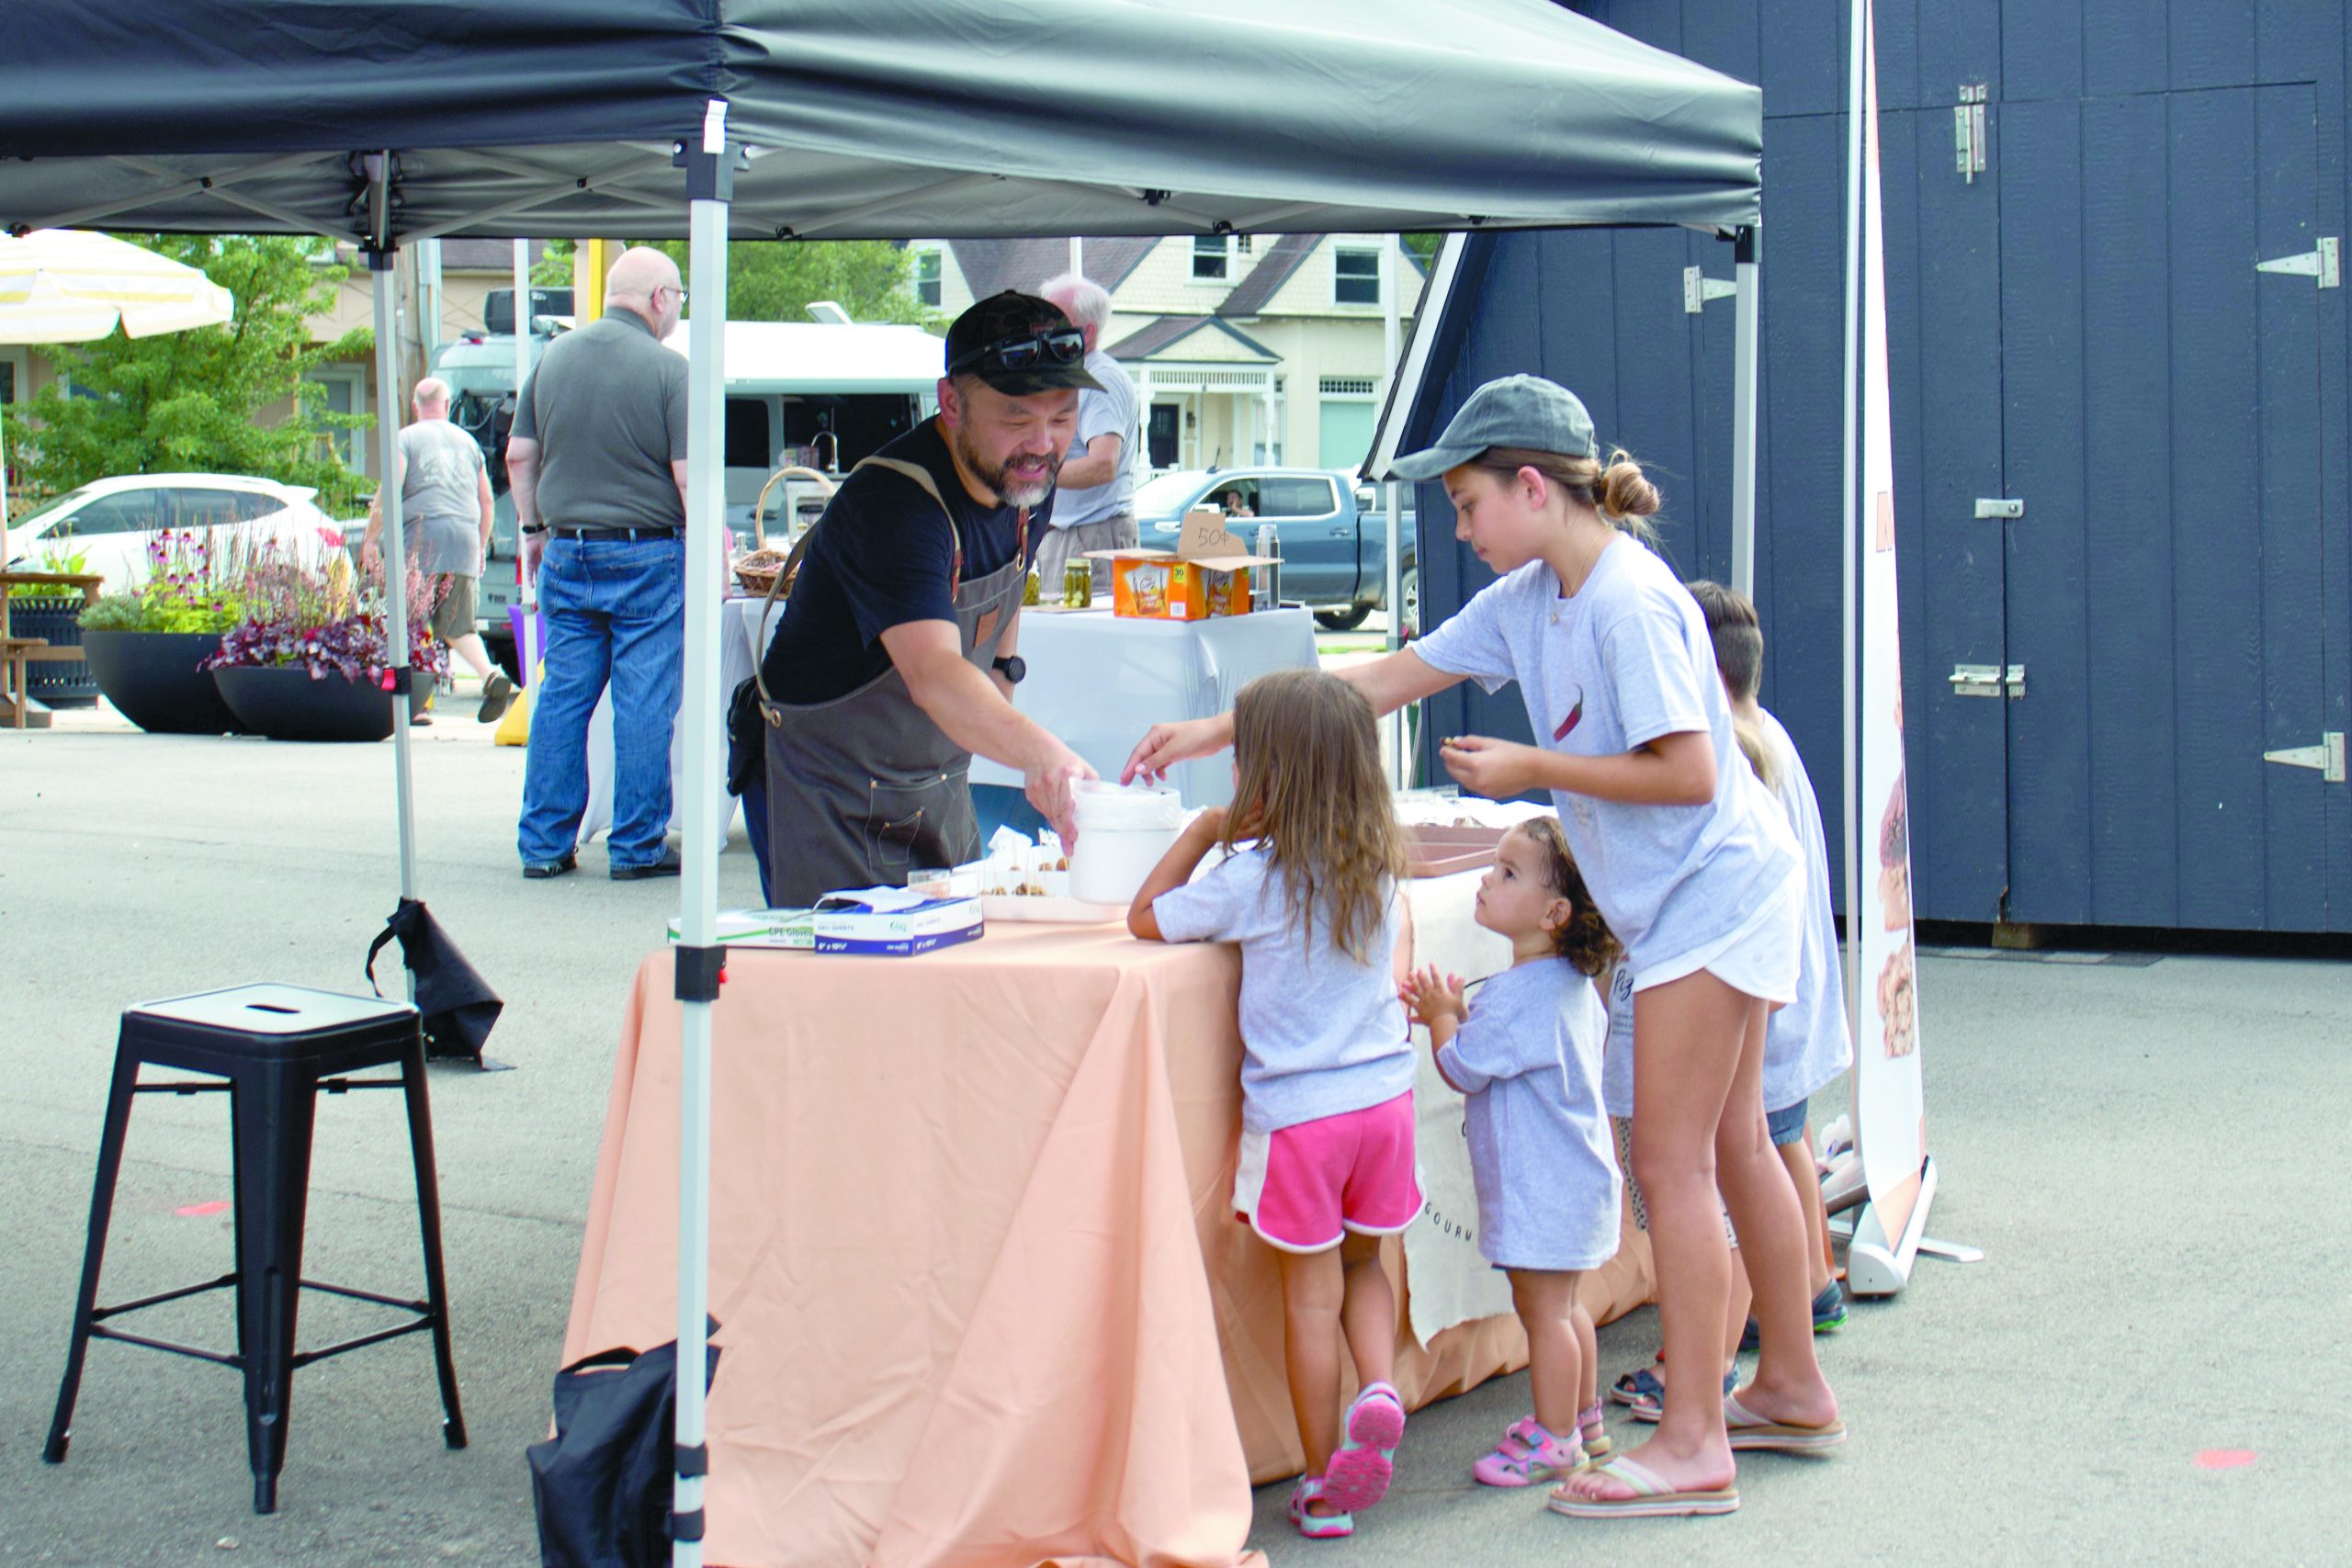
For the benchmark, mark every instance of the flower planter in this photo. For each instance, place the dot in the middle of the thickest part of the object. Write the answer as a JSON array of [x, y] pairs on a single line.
[[60, 683], [156, 681], [284, 704]]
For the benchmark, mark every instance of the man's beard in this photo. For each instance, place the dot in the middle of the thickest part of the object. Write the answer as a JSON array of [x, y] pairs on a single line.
[[1013, 492]]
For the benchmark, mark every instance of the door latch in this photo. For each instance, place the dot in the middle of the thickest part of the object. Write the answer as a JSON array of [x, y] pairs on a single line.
[[2325, 263], [1987, 681], [1995, 507], [2327, 756], [1968, 132]]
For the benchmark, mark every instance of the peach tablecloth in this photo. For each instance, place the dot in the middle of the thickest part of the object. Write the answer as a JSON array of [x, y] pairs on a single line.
[[983, 1302]]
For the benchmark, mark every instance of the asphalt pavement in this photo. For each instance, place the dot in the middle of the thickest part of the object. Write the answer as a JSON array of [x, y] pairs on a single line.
[[2150, 1366]]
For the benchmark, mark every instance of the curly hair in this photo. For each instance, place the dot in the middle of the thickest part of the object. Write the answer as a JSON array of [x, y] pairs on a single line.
[[1586, 941]]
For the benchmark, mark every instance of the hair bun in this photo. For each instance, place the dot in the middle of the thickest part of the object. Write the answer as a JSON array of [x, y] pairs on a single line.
[[1624, 492]]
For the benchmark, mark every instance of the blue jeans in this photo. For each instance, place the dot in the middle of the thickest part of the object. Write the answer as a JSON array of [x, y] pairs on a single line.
[[616, 612]]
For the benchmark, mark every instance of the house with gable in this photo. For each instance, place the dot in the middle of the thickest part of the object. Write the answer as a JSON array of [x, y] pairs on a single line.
[[1245, 348]]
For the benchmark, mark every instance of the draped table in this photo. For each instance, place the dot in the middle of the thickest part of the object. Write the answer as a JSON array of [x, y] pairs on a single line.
[[982, 1297]]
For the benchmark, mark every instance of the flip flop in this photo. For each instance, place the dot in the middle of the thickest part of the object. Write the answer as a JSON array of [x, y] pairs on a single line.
[[1652, 1497], [1751, 1432], [1359, 1473], [1651, 1407], [1634, 1387]]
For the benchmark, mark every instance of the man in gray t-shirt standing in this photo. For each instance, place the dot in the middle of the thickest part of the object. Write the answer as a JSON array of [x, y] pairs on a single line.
[[446, 510], [598, 465], [1094, 495]]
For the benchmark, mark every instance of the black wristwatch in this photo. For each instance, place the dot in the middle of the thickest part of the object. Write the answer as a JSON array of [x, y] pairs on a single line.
[[1014, 668]]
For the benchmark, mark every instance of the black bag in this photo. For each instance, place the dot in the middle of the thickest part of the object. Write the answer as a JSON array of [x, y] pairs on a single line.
[[746, 739], [458, 1005], [603, 1484]]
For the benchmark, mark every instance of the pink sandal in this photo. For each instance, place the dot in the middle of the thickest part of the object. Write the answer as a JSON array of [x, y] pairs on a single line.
[[1314, 1526], [1528, 1453], [1359, 1473], [1593, 1434]]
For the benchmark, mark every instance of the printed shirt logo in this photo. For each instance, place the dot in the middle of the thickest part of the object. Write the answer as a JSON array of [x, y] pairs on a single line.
[[1575, 716]]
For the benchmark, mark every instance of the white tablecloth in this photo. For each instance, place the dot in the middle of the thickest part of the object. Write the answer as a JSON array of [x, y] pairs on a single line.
[[738, 623], [1098, 681]]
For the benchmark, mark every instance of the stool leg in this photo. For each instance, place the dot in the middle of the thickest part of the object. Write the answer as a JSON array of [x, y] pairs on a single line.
[[273, 1116], [118, 1123], [428, 1217]]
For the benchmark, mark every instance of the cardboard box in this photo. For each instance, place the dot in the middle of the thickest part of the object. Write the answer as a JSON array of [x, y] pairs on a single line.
[[1207, 574], [760, 928], [892, 922]]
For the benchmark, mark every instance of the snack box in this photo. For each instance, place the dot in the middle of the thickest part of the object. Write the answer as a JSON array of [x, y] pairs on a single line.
[[760, 927], [1206, 575], [892, 922]]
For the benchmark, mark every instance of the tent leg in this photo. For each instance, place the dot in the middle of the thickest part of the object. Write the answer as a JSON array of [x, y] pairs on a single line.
[[709, 187], [1744, 355], [388, 403], [526, 652]]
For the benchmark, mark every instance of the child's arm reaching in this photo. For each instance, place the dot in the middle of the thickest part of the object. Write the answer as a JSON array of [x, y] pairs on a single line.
[[1673, 769], [1439, 1004], [1175, 870]]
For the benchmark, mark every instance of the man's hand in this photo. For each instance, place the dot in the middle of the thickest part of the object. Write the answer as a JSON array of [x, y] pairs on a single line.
[[1048, 780], [534, 546], [1165, 745], [1496, 769]]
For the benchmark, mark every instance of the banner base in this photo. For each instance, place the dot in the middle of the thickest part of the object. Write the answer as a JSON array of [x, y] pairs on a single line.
[[1874, 1266]]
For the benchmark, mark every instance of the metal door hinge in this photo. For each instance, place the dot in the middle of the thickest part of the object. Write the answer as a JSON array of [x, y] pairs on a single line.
[[1968, 132], [1994, 506], [2327, 756], [2325, 263], [1987, 681], [1698, 289]]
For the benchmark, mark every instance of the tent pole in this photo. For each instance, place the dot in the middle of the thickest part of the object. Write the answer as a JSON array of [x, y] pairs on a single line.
[[1849, 535], [1392, 576], [1744, 368], [710, 185], [528, 638], [388, 404]]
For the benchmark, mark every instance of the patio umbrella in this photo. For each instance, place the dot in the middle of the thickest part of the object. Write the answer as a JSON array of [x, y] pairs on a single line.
[[70, 286]]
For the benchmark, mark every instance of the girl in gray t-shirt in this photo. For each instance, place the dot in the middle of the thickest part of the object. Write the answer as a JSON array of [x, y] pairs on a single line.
[[1526, 1056]]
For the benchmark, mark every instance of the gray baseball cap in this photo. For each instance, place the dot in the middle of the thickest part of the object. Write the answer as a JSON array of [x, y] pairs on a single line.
[[1517, 411]]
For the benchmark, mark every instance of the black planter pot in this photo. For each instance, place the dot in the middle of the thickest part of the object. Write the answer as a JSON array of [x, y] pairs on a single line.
[[156, 680], [60, 683], [287, 704]]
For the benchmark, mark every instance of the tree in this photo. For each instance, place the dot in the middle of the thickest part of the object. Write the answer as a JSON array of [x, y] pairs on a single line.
[[776, 280], [193, 400]]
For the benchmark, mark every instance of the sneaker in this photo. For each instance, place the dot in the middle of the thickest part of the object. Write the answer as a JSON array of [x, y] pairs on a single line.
[[497, 694], [1829, 1315], [539, 870], [1528, 1453], [668, 865], [1359, 1473]]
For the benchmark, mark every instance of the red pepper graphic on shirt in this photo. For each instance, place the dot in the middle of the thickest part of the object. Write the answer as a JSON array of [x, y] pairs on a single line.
[[1575, 716]]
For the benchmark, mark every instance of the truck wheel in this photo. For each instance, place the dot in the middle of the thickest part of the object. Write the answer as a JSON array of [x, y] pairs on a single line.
[[1345, 620]]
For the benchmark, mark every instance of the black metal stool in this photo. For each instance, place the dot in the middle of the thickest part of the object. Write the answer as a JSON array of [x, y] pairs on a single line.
[[273, 1047]]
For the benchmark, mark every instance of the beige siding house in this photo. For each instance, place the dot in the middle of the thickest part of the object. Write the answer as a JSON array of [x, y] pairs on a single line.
[[1247, 349]]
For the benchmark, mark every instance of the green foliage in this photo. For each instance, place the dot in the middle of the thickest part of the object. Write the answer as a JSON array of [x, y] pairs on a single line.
[[194, 401], [1424, 247], [77, 561], [775, 280], [191, 586], [553, 269]]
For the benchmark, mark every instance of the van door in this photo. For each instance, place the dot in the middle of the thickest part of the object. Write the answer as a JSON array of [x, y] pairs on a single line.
[[1318, 526]]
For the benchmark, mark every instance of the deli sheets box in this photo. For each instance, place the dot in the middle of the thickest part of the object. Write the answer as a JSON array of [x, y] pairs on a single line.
[[760, 927], [892, 922], [1207, 574]]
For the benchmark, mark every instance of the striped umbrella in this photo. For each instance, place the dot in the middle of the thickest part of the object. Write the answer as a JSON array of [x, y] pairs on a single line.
[[69, 286]]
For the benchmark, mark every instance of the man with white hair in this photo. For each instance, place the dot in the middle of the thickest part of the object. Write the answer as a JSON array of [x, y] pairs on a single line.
[[1095, 498], [445, 510], [598, 464]]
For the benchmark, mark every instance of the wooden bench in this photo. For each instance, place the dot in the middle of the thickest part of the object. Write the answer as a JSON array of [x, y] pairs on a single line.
[[14, 652]]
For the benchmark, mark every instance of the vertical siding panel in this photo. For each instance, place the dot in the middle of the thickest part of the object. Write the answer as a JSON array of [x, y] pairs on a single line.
[[2123, 47], [2215, 454], [2212, 43], [2041, 49]]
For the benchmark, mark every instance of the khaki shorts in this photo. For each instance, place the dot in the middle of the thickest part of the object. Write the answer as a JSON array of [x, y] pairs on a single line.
[[453, 617]]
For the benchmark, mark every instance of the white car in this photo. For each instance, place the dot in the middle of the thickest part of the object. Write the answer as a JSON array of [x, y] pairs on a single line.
[[114, 522]]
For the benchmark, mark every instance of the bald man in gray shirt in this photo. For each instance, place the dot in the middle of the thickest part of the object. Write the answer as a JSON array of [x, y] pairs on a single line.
[[598, 462]]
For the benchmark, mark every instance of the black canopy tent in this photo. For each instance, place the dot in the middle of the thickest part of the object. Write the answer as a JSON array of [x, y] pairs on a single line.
[[381, 122]]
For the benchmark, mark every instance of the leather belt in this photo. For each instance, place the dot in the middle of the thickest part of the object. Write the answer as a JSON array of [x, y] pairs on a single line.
[[632, 535]]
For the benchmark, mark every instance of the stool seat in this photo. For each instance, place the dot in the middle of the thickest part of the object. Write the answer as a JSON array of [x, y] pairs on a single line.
[[272, 1048]]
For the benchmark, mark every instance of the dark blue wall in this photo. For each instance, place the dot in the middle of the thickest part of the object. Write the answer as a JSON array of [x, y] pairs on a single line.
[[2080, 327]]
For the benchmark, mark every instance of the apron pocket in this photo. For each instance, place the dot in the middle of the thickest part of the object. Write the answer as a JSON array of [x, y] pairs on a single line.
[[902, 816]]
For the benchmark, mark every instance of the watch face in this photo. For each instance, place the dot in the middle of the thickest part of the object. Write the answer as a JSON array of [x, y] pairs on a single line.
[[1015, 668]]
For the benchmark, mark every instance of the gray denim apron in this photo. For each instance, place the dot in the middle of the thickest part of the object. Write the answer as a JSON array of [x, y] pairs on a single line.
[[864, 788]]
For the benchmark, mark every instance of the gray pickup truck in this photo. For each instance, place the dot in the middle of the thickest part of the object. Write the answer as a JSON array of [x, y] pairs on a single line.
[[1334, 535]]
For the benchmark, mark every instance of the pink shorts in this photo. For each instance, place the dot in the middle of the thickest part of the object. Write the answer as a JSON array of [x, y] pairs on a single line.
[[1302, 1187]]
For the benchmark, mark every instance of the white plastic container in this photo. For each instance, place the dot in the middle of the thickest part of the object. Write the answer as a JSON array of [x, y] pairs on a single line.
[[1122, 834]]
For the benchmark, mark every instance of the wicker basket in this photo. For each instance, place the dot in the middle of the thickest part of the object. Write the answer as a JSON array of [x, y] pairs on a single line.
[[756, 572]]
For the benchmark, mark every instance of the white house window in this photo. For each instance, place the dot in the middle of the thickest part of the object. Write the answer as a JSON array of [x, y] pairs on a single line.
[[1357, 279], [1210, 254], [345, 393], [927, 278]]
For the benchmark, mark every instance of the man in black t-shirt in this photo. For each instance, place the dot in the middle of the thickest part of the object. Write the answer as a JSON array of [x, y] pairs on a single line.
[[893, 661]]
